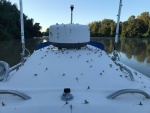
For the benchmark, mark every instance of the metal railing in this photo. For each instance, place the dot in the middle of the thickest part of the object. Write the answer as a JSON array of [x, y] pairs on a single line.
[[124, 91], [17, 93], [130, 73], [126, 69]]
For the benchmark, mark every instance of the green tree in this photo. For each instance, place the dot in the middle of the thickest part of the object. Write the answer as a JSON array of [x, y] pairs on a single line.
[[94, 28], [46, 33], [36, 30], [107, 27], [124, 32], [10, 23], [145, 16], [112, 29], [133, 28]]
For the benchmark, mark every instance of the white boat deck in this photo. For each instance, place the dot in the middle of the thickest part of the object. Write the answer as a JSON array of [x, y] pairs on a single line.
[[88, 72]]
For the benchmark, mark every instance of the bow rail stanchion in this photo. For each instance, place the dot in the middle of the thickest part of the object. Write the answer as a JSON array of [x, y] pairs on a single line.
[[22, 30], [22, 34], [115, 54], [118, 22], [4, 67]]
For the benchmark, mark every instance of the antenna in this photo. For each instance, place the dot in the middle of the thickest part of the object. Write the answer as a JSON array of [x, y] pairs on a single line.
[[22, 29], [71, 7]]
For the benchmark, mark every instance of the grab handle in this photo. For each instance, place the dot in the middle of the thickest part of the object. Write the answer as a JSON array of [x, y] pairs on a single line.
[[19, 94], [123, 91]]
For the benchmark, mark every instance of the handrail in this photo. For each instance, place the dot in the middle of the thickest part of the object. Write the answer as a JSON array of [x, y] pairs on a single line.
[[130, 73], [15, 67], [126, 69], [19, 94], [5, 69], [123, 91]]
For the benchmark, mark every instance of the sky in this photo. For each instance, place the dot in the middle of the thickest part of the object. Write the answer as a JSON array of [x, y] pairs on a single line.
[[50, 12]]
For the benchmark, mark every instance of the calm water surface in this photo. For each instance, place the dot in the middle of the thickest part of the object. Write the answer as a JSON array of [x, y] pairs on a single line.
[[134, 52]]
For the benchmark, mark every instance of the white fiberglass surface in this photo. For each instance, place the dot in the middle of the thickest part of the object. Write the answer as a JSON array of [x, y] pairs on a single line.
[[88, 72]]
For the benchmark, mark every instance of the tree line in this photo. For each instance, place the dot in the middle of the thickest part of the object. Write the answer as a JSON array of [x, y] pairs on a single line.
[[134, 27], [10, 23]]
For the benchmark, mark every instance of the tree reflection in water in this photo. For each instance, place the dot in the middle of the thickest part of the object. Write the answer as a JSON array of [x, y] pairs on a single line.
[[10, 50], [132, 49], [139, 48]]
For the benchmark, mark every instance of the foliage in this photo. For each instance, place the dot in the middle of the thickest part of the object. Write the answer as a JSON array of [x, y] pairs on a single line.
[[95, 27], [10, 23], [105, 28], [46, 33], [134, 27]]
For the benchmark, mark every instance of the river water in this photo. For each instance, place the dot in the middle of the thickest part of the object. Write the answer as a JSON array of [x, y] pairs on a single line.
[[133, 52]]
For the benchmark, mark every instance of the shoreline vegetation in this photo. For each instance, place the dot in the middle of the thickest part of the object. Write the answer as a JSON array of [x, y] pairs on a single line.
[[10, 23], [134, 27]]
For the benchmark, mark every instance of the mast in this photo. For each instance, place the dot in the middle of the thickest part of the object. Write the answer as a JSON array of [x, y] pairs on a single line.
[[118, 22], [22, 29], [71, 7]]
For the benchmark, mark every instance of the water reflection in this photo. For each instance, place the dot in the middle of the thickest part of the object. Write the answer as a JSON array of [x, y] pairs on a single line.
[[10, 50], [139, 48], [134, 52]]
